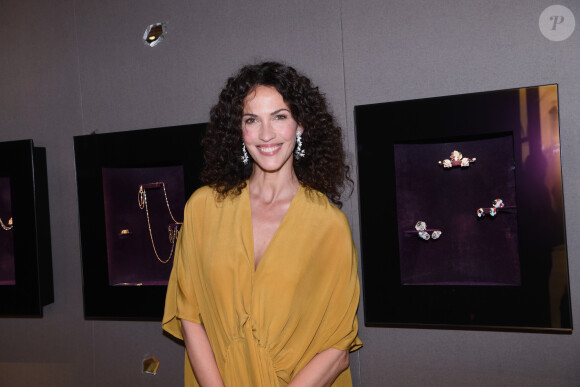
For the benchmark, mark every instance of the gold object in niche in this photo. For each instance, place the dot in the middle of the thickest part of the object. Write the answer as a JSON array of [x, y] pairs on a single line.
[[172, 229], [150, 365], [7, 227]]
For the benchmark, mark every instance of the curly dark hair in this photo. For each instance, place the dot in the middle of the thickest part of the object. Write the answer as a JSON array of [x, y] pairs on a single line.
[[323, 168]]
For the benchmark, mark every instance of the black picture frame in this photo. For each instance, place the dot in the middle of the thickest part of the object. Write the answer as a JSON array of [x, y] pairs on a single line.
[[24, 170], [410, 282], [146, 150]]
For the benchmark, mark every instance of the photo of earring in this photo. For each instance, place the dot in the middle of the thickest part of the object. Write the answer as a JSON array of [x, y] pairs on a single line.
[[496, 205], [8, 226], [299, 152], [245, 158], [425, 233], [456, 159]]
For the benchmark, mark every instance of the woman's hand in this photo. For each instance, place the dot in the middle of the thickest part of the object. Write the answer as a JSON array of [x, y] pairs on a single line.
[[322, 370], [201, 355]]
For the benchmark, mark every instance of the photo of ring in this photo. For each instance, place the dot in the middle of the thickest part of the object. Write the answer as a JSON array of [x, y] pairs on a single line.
[[497, 205], [131, 203], [26, 282], [457, 160], [425, 233], [141, 253], [7, 273], [503, 216]]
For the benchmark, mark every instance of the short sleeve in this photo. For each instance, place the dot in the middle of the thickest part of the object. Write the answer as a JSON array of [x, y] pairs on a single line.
[[342, 318], [340, 324], [180, 300]]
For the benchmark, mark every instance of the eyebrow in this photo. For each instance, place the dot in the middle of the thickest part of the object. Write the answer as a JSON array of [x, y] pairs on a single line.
[[279, 110], [272, 114]]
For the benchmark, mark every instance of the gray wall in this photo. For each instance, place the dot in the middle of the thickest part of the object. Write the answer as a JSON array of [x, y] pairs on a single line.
[[71, 67]]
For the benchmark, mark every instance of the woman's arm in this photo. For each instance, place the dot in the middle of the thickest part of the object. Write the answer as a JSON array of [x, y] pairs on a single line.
[[201, 355], [323, 369]]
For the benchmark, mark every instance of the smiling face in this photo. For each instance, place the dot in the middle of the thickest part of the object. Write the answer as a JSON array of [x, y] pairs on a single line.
[[269, 130]]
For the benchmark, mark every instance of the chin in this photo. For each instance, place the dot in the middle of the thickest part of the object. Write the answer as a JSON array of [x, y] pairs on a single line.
[[269, 168], [273, 167]]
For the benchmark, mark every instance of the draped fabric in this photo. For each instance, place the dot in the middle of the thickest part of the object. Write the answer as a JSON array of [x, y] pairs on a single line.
[[265, 324]]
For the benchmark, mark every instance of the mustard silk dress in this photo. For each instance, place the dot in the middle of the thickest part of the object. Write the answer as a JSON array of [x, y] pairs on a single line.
[[265, 324]]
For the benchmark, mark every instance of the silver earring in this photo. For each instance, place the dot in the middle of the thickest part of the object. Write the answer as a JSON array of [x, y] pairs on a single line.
[[299, 152], [244, 157]]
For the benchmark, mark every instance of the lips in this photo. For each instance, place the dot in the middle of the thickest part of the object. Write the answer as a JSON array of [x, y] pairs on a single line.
[[269, 149]]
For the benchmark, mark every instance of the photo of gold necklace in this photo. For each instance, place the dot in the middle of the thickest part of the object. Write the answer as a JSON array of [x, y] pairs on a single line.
[[5, 227], [172, 228]]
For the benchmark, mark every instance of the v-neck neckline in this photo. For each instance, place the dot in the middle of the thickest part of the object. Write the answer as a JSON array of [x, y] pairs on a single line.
[[250, 227]]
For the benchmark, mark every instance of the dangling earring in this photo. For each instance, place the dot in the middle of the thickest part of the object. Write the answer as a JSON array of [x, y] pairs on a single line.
[[244, 157], [299, 152]]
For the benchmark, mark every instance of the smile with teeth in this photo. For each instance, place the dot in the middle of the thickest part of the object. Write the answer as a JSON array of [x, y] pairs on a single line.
[[269, 149]]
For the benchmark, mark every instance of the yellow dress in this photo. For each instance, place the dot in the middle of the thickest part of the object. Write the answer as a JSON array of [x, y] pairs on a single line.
[[265, 324]]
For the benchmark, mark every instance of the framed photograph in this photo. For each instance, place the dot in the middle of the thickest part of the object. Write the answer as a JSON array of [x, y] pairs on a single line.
[[25, 250], [132, 189], [462, 212]]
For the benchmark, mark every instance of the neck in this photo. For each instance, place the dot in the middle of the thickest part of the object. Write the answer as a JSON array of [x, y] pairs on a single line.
[[271, 187]]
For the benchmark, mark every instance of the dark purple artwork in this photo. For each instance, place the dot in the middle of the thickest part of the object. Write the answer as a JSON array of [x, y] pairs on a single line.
[[493, 250], [7, 275], [471, 249], [143, 215]]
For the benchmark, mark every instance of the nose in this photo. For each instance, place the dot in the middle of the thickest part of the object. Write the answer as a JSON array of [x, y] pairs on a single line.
[[267, 131]]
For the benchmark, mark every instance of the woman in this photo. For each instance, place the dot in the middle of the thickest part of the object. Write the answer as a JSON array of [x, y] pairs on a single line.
[[264, 287]]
